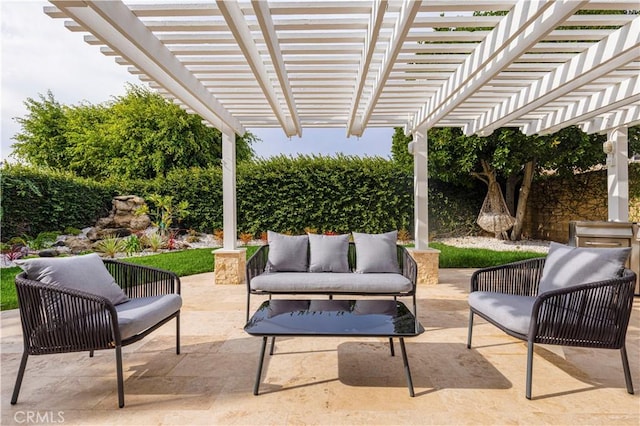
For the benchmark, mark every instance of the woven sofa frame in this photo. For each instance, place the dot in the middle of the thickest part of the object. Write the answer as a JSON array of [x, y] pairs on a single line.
[[408, 268]]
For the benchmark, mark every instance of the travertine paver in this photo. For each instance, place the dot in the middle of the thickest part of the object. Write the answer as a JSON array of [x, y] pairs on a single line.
[[324, 380]]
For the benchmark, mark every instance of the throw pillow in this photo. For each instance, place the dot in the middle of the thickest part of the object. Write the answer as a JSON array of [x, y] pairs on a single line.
[[568, 266], [85, 273], [376, 252], [287, 253], [329, 253]]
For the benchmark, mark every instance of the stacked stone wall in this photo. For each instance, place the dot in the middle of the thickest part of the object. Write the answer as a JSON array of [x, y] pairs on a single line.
[[555, 201]]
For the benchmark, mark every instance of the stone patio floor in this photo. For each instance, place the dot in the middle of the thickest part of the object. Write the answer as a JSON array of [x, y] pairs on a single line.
[[327, 381]]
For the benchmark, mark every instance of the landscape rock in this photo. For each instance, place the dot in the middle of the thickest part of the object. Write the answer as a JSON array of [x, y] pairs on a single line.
[[48, 253], [78, 245]]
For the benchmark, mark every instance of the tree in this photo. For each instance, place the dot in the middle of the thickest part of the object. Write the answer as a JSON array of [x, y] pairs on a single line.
[[137, 135], [399, 149], [513, 158]]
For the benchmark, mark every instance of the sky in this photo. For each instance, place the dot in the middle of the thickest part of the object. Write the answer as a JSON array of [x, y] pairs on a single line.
[[39, 55]]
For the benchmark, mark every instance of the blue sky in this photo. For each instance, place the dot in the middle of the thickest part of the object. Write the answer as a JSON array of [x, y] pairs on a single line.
[[39, 54]]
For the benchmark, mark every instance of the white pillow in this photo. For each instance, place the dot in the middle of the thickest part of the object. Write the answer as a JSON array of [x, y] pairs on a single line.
[[329, 253], [376, 252], [85, 273]]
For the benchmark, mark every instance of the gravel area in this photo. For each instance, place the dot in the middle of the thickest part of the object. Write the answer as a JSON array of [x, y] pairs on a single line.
[[538, 246]]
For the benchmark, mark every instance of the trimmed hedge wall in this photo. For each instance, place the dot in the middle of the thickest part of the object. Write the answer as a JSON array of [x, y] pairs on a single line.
[[340, 194], [34, 201]]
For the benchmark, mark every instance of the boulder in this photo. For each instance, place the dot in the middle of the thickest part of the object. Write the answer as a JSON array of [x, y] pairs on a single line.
[[78, 245], [123, 215]]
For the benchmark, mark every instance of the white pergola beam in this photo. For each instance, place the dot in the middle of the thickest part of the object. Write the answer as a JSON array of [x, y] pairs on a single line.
[[242, 33], [265, 21], [375, 23], [120, 29], [613, 97], [617, 49], [629, 116], [407, 14], [526, 24]]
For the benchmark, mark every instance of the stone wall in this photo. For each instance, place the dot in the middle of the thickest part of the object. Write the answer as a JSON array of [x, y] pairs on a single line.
[[554, 202]]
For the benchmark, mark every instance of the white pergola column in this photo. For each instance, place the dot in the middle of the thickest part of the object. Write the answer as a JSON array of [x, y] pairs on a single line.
[[617, 148], [230, 261], [426, 258], [229, 209], [420, 189]]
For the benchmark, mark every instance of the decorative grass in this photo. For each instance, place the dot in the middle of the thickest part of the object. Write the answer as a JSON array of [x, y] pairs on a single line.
[[197, 261]]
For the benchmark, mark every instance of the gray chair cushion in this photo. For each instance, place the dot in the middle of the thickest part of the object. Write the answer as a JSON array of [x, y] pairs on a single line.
[[329, 253], [138, 314], [287, 252], [376, 252], [569, 266], [85, 273], [332, 282], [511, 311]]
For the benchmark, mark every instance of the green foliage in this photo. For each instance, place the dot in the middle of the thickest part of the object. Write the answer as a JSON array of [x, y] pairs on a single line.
[[138, 135], [132, 245], [37, 200], [42, 241], [110, 246], [400, 150], [330, 194], [165, 211]]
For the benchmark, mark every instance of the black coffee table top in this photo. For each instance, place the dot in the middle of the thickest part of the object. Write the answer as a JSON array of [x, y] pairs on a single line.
[[376, 318]]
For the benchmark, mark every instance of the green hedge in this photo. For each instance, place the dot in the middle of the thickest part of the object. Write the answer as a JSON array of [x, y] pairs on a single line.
[[340, 194], [34, 201]]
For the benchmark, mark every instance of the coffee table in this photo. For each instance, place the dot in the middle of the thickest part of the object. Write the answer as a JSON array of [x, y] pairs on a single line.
[[334, 318]]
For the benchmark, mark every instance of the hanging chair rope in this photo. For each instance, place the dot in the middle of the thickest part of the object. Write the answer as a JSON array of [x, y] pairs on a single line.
[[494, 215]]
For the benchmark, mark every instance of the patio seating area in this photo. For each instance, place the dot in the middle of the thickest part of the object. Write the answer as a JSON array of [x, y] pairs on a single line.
[[323, 381]]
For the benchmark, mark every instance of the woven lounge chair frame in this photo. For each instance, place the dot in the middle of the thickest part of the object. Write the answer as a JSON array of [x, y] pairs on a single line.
[[593, 315], [83, 321]]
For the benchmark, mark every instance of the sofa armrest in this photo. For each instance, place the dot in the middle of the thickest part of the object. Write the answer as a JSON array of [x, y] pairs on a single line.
[[517, 278], [408, 266], [257, 264], [594, 314], [142, 281]]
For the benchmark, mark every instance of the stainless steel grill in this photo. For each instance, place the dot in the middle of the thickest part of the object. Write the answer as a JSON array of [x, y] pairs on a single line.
[[609, 235]]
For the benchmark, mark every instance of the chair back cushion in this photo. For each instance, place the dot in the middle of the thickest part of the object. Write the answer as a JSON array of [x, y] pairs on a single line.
[[567, 266], [287, 253], [85, 273], [328, 253], [376, 252]]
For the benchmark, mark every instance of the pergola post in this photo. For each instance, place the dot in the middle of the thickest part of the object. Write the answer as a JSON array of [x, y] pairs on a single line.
[[426, 258], [617, 148], [230, 261]]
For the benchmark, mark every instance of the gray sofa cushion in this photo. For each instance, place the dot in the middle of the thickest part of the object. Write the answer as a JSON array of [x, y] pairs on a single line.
[[287, 252], [85, 273], [328, 253], [511, 311], [376, 252], [332, 282], [568, 266], [138, 314]]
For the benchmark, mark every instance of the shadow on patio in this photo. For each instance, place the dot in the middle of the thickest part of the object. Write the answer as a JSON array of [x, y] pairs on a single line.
[[322, 381]]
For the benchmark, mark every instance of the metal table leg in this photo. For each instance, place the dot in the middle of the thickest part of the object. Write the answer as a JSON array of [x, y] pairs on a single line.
[[256, 386], [406, 367]]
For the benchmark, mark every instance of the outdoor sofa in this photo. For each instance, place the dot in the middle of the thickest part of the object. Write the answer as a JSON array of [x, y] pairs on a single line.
[[371, 265]]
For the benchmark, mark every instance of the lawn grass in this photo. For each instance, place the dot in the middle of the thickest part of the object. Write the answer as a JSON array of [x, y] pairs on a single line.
[[458, 257], [197, 261]]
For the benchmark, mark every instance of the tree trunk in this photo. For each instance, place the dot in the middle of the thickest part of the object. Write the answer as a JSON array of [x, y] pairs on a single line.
[[510, 192], [525, 188]]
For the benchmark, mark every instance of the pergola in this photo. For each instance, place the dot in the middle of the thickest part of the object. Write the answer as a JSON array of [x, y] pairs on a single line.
[[539, 65]]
